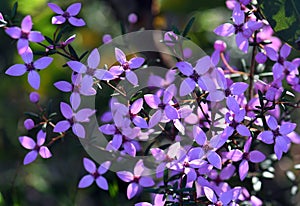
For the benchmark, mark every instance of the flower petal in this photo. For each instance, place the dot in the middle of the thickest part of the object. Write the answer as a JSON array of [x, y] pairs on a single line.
[[43, 62], [146, 181], [125, 176], [34, 79], [58, 20], [102, 183], [66, 110], [74, 9], [94, 59], [120, 56], [203, 65], [266, 137], [210, 194], [226, 29], [26, 24], [131, 77], [63, 86], [199, 135], [89, 165], [62, 126], [132, 190], [243, 169], [86, 181], [171, 112], [16, 70], [214, 159], [256, 156], [41, 137], [103, 167], [185, 68], [285, 51], [45, 152], [30, 157], [55, 8], [152, 100], [78, 130], [136, 62], [77, 66], [13, 32], [36, 36], [187, 86], [287, 128], [272, 123], [27, 142]]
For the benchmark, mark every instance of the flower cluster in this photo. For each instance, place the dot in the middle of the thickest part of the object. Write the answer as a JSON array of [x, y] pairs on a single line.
[[197, 153]]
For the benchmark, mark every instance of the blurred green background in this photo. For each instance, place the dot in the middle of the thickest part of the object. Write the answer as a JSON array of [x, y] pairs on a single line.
[[54, 181]]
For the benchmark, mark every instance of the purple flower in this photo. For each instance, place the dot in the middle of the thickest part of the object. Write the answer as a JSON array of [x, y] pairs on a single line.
[[122, 133], [194, 75], [77, 88], [134, 109], [90, 70], [277, 134], [208, 147], [242, 30], [166, 104], [223, 199], [95, 174], [31, 67], [137, 181], [73, 120], [235, 117], [170, 38], [282, 65], [236, 155], [225, 174], [126, 66], [35, 147], [24, 34], [69, 14]]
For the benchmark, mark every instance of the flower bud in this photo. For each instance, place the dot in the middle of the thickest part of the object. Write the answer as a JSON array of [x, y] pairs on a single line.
[[28, 124], [220, 45], [106, 38], [170, 37], [34, 97], [132, 18]]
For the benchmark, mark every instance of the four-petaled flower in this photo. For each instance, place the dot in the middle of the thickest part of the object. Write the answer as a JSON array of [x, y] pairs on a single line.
[[242, 30], [35, 147], [126, 66], [136, 179], [69, 14], [74, 120], [95, 174], [31, 67], [277, 134], [90, 70], [236, 155], [282, 66], [24, 34]]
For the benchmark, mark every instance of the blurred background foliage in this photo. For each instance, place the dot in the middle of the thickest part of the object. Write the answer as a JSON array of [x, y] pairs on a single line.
[[54, 181]]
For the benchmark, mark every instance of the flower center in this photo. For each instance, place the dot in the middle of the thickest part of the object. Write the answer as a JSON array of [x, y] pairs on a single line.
[[24, 35], [66, 15], [30, 66], [238, 28]]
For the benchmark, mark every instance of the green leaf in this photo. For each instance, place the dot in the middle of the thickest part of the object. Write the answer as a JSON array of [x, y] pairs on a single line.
[[284, 18], [49, 40], [188, 27], [73, 52], [14, 11]]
